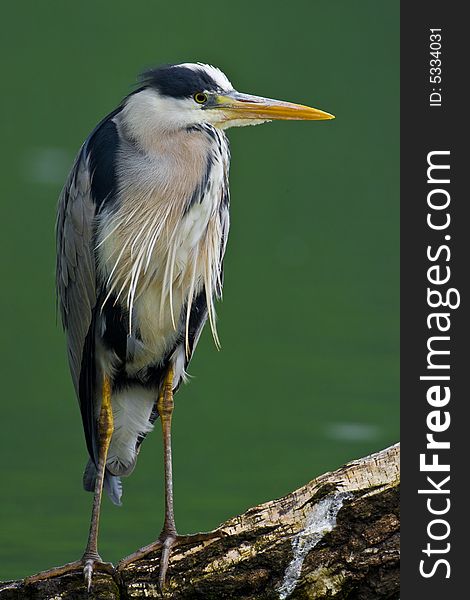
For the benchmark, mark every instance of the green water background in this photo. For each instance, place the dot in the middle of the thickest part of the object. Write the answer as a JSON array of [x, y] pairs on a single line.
[[308, 373]]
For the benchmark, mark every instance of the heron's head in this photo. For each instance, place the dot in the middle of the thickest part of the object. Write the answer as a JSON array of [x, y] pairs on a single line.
[[188, 94]]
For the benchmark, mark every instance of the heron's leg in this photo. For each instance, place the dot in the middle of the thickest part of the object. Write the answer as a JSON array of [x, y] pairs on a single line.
[[165, 405], [91, 556], [105, 431], [168, 537]]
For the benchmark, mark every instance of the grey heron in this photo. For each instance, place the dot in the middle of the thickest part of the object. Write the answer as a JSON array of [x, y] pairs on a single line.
[[142, 229]]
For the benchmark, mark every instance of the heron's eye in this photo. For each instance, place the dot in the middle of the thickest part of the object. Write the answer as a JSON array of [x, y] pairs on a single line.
[[200, 97]]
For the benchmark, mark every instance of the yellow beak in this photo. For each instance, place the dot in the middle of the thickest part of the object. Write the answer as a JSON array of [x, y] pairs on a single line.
[[245, 106]]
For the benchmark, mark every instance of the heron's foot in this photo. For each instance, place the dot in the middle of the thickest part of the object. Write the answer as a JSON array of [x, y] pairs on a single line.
[[86, 566], [166, 542], [89, 562]]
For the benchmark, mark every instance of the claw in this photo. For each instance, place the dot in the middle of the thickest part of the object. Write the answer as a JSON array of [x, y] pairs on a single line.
[[88, 572]]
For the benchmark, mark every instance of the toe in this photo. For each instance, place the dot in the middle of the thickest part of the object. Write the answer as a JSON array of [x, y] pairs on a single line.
[[168, 543], [88, 572], [55, 572], [153, 547]]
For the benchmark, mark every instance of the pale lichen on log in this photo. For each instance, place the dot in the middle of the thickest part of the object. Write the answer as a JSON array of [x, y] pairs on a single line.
[[335, 537]]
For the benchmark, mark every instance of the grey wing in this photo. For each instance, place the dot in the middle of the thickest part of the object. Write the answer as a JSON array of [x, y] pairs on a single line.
[[76, 285]]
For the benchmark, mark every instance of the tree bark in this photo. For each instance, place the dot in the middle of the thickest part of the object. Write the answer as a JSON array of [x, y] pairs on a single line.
[[336, 537]]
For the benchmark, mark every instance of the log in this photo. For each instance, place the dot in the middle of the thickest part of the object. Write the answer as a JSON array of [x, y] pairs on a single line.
[[336, 537]]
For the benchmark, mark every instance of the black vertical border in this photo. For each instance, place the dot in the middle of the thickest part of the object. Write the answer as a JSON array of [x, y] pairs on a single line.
[[424, 129]]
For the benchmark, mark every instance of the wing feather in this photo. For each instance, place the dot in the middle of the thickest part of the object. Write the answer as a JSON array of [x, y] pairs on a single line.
[[76, 282], [90, 186]]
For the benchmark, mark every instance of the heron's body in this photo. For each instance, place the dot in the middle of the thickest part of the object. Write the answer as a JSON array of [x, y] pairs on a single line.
[[141, 235], [156, 266]]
